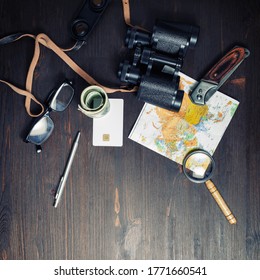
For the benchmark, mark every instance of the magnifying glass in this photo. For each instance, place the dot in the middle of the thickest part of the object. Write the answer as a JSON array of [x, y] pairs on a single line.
[[198, 167]]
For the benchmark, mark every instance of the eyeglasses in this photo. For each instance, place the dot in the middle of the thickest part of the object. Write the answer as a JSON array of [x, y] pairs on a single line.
[[58, 100]]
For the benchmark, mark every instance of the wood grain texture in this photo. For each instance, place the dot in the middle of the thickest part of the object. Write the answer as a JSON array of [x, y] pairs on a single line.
[[129, 202], [225, 65]]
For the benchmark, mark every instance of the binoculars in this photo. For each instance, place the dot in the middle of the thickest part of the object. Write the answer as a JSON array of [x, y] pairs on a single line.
[[156, 62]]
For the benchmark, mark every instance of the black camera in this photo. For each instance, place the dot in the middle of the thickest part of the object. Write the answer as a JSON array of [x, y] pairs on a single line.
[[156, 62]]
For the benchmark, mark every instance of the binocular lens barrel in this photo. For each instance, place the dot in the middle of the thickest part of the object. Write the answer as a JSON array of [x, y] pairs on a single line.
[[160, 92], [174, 38]]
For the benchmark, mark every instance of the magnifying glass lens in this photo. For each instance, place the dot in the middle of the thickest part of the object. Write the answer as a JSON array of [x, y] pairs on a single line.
[[198, 166]]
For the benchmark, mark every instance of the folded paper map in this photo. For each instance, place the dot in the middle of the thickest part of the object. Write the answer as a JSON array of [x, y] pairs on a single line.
[[174, 134]]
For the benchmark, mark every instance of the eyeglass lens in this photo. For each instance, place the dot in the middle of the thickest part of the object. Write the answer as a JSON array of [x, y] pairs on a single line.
[[43, 128], [62, 98]]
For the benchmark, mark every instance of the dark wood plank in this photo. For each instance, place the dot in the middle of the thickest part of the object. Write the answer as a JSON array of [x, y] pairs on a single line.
[[129, 202]]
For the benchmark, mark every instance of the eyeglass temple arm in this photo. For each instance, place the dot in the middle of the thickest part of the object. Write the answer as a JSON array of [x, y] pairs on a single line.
[[38, 149]]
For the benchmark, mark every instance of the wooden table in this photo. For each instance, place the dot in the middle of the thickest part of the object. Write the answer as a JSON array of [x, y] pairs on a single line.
[[128, 202]]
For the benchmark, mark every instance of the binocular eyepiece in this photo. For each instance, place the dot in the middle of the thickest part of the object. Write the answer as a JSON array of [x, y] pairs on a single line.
[[157, 60]]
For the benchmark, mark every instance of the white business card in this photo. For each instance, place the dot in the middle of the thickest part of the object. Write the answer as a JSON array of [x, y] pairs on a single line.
[[108, 130]]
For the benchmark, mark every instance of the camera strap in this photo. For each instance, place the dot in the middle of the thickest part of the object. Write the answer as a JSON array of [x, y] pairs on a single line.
[[43, 39]]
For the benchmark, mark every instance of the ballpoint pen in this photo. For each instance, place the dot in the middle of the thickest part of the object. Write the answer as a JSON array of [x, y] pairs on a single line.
[[66, 171]]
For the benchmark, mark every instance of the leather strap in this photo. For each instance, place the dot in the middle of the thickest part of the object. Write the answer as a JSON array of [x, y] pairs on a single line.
[[127, 15], [27, 93], [126, 10], [29, 96], [44, 40]]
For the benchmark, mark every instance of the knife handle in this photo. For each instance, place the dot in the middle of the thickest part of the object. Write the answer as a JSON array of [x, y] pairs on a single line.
[[220, 72]]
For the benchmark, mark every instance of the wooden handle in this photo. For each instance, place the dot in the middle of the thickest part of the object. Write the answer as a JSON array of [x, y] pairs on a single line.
[[226, 65], [220, 201]]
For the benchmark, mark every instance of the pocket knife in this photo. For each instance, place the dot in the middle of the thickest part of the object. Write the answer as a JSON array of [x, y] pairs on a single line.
[[218, 75]]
